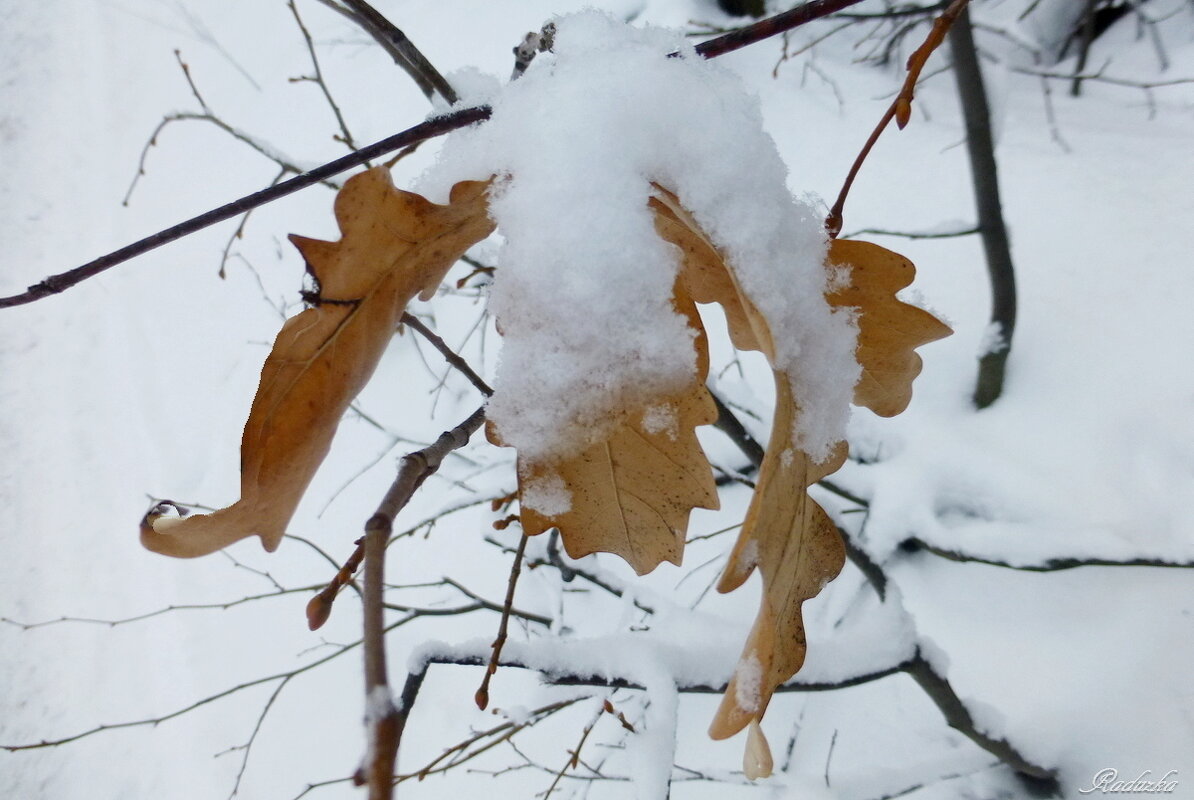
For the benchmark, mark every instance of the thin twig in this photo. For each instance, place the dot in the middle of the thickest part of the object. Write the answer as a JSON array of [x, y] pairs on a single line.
[[483, 603], [450, 355], [482, 695], [437, 126], [247, 748], [900, 108], [317, 78], [239, 233], [155, 721], [112, 623], [910, 234], [399, 46], [1100, 77], [319, 608], [460, 752], [574, 754], [287, 165]]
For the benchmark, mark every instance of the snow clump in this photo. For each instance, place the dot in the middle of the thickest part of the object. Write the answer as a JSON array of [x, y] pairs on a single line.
[[583, 289]]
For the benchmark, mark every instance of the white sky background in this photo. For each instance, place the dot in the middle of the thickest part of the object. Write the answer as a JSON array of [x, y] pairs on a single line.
[[137, 383]]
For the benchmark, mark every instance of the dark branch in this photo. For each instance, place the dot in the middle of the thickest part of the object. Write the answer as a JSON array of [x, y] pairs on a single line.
[[437, 126], [482, 696], [450, 355], [731, 426], [1059, 564], [399, 46], [772, 26], [318, 79], [55, 284]]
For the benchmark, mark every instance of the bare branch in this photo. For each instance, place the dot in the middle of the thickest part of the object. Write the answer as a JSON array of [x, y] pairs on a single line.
[[437, 126], [482, 696], [386, 723], [900, 108], [910, 234], [398, 45], [772, 26], [112, 623], [317, 78], [380, 714], [1058, 564], [154, 721], [732, 427], [450, 355]]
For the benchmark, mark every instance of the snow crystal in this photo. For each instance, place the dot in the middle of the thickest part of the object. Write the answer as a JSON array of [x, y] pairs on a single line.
[[547, 494], [748, 683], [750, 553], [993, 340], [661, 419], [379, 703], [583, 288]]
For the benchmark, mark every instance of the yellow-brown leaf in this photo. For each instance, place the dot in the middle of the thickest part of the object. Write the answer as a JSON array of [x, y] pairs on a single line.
[[704, 273], [786, 535], [793, 543], [632, 493], [888, 329], [393, 245]]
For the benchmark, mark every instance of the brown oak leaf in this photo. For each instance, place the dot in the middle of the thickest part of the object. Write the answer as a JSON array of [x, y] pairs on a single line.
[[632, 493], [393, 245], [786, 535]]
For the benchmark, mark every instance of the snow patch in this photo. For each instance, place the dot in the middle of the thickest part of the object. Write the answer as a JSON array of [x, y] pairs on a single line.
[[661, 419], [547, 494], [748, 683], [575, 145]]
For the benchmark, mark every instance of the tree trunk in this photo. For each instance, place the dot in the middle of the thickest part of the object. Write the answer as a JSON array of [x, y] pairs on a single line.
[[743, 8], [1088, 36], [976, 114]]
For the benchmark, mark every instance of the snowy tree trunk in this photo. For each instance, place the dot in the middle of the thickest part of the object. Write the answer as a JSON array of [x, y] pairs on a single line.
[[973, 97]]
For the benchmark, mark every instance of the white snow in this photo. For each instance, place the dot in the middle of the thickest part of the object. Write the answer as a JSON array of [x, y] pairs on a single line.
[[138, 383], [661, 419], [582, 293], [547, 494], [749, 682]]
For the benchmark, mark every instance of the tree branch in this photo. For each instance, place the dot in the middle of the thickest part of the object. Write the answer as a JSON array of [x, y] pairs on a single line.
[[900, 109], [56, 284], [385, 722], [1058, 564], [438, 126], [398, 45], [984, 173], [772, 26], [482, 696], [317, 78], [451, 356]]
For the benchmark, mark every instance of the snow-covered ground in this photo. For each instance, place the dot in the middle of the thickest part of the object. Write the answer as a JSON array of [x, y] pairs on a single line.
[[136, 384]]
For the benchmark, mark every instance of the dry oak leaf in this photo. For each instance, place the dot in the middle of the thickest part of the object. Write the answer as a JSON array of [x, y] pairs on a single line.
[[632, 493], [393, 245], [786, 535], [888, 329]]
